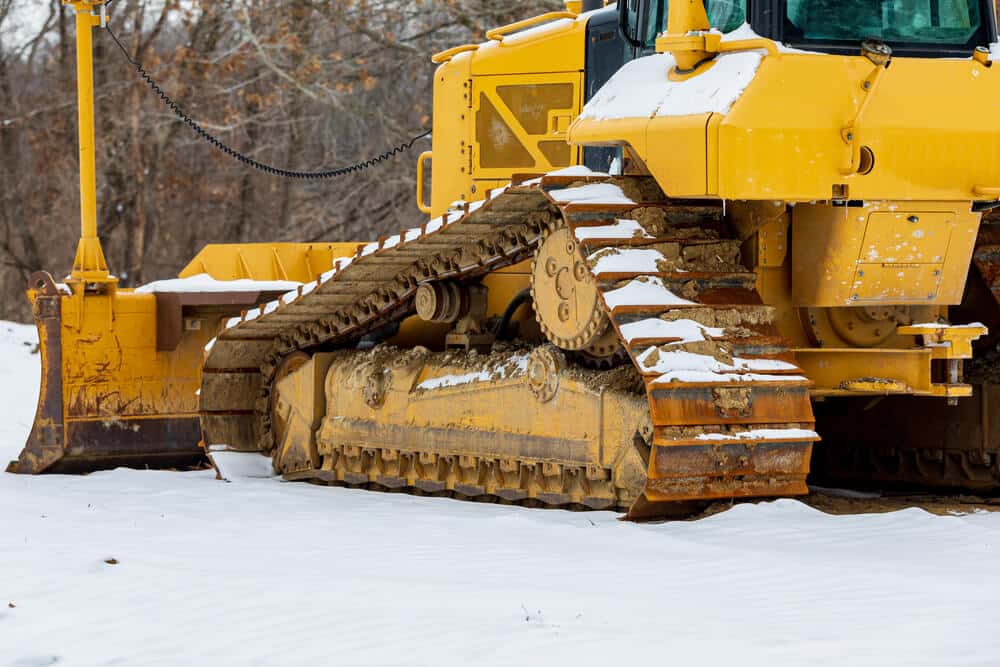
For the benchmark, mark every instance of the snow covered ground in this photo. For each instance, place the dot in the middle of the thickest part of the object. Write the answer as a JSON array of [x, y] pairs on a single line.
[[260, 572]]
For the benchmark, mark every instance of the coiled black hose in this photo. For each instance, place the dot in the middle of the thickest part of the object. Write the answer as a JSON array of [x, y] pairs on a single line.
[[522, 297]]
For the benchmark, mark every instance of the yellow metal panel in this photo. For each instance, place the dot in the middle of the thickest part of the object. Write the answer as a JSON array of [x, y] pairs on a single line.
[[679, 163], [518, 120], [772, 241], [897, 282], [833, 369], [613, 132], [480, 187], [909, 237], [451, 173], [782, 139], [712, 153], [111, 366], [881, 253], [301, 262], [556, 47], [552, 53]]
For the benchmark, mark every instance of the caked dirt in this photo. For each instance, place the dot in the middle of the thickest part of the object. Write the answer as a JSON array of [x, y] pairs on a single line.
[[502, 361]]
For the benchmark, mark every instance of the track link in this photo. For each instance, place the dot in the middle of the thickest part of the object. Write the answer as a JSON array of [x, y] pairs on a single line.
[[730, 409]]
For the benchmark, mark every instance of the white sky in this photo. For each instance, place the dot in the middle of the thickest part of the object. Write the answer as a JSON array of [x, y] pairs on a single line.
[[25, 19]]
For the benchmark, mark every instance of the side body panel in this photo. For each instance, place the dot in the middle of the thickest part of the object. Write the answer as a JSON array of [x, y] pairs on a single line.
[[504, 107]]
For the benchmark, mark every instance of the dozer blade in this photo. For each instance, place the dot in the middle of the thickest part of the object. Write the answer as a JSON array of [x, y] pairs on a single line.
[[119, 377]]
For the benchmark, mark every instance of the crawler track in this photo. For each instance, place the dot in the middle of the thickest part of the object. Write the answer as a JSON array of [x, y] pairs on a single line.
[[730, 409]]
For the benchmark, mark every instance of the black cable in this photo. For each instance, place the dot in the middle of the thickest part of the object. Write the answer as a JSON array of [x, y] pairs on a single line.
[[521, 298], [246, 159]]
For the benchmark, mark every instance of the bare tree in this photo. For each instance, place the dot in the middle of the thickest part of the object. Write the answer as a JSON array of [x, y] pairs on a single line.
[[305, 85]]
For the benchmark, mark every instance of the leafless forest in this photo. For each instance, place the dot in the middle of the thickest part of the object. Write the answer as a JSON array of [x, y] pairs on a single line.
[[304, 84]]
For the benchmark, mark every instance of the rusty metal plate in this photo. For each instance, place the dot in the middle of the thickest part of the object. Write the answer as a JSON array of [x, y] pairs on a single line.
[[728, 471]]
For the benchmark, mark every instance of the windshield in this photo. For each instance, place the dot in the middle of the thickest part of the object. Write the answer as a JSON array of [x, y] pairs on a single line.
[[953, 23], [726, 15]]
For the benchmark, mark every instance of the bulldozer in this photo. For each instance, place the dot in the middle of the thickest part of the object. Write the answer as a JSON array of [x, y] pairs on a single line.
[[668, 246]]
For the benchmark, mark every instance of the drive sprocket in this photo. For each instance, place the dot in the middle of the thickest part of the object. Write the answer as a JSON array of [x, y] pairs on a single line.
[[567, 300]]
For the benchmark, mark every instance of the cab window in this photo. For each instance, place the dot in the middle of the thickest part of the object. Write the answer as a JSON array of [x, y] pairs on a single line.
[[906, 22], [726, 15]]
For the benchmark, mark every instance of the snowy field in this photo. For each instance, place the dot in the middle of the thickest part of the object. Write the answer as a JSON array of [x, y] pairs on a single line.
[[260, 572]]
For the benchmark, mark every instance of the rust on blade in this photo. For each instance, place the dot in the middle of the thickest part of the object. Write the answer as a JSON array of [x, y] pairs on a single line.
[[45, 443], [109, 396]]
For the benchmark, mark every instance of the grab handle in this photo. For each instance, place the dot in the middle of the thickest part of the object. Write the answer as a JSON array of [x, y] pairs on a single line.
[[497, 34], [424, 208]]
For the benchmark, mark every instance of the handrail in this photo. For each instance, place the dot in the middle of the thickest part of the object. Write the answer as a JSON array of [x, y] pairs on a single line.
[[424, 208], [753, 44], [849, 133], [706, 45], [445, 56], [497, 34]]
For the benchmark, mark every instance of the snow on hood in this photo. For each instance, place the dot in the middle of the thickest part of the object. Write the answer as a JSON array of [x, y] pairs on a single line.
[[642, 89]]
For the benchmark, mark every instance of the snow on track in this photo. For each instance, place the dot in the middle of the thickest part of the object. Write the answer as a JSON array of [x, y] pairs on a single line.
[[644, 291], [263, 572], [515, 366], [685, 331], [594, 193], [626, 260], [622, 229], [656, 360]]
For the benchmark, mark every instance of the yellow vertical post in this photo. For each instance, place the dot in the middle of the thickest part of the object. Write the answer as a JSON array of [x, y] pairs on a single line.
[[89, 265], [684, 18]]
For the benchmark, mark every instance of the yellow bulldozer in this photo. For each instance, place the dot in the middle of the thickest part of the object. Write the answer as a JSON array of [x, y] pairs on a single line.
[[669, 245]]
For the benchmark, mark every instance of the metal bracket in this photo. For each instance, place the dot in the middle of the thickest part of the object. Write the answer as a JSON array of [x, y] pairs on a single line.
[[951, 344], [947, 341]]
